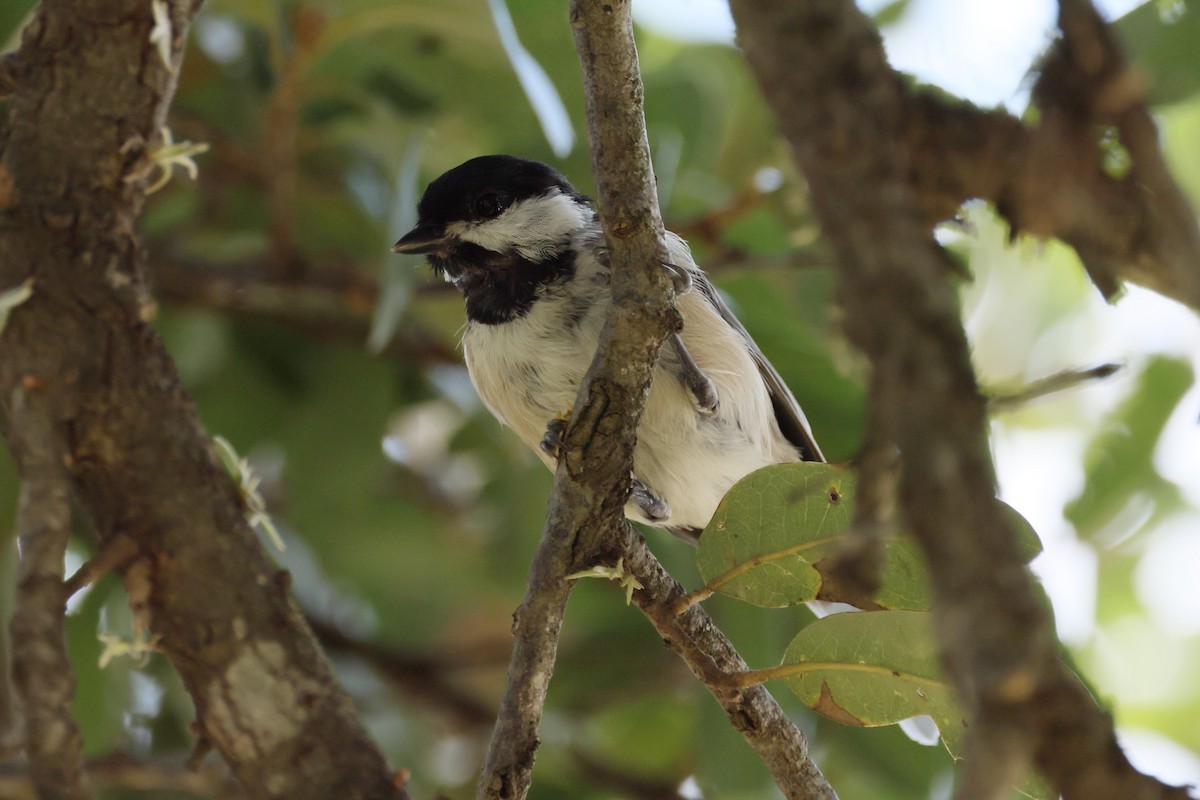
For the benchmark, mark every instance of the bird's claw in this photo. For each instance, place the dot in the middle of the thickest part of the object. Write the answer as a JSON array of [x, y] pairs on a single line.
[[652, 504], [553, 440], [699, 386], [681, 279]]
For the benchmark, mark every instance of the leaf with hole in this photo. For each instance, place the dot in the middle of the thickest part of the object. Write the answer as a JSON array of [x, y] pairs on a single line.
[[769, 530], [768, 542]]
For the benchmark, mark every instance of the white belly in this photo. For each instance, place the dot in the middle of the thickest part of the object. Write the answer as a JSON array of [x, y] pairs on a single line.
[[528, 371]]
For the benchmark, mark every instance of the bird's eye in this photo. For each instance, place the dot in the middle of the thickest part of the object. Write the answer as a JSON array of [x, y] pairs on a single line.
[[489, 205]]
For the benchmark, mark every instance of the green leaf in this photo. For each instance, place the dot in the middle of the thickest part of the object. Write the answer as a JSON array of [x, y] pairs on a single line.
[[1161, 38], [890, 14], [769, 535], [769, 530], [873, 668], [1120, 460], [904, 582], [13, 16]]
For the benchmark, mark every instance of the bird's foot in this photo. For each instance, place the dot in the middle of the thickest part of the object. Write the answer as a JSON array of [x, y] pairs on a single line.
[[681, 279], [699, 385], [652, 504], [553, 440]]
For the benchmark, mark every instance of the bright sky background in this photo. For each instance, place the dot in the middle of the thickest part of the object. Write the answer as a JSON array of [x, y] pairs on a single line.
[[982, 51]]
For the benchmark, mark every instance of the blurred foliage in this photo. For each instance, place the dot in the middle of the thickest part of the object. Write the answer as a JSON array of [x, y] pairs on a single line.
[[410, 516]]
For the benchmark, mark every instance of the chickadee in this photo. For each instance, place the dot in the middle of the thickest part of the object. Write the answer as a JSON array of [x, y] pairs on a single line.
[[527, 252]]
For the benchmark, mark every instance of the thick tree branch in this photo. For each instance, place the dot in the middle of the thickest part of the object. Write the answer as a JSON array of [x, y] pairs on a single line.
[[844, 111], [42, 675], [92, 84], [1048, 180]]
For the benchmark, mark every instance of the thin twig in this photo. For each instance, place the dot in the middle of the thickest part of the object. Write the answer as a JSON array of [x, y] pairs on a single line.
[[42, 673], [112, 554], [1051, 384]]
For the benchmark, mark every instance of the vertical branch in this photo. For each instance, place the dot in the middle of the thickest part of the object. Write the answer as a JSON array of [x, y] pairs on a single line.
[[42, 674], [92, 84], [583, 524], [843, 109], [584, 518]]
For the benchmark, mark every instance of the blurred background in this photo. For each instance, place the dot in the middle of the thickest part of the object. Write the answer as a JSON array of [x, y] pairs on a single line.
[[409, 516]]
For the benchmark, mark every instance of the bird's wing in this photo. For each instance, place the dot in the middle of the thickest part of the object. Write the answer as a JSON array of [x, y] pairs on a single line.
[[790, 417]]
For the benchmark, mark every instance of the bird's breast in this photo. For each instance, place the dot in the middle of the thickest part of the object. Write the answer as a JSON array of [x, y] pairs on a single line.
[[528, 370]]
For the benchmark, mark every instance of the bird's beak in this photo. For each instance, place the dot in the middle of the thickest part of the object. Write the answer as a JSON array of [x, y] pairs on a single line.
[[421, 240]]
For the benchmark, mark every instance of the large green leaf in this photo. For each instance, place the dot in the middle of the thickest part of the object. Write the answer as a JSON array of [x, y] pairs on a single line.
[[873, 668], [767, 540], [771, 528], [878, 668]]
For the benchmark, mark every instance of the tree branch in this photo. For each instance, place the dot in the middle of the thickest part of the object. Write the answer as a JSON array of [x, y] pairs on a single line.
[[1048, 180], [822, 67], [592, 481], [119, 771], [584, 522], [90, 97], [329, 303], [752, 711], [42, 674]]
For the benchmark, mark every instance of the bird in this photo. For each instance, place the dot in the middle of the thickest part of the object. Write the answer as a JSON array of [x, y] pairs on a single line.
[[527, 252]]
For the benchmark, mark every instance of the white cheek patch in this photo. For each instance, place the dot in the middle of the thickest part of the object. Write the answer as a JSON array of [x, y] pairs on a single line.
[[536, 227]]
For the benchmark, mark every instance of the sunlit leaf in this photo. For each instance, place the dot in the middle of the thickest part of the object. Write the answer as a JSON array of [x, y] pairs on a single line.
[[768, 538], [873, 668], [771, 528], [891, 13]]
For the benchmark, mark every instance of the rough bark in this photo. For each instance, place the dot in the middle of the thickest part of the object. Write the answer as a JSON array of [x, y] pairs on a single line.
[[584, 525], [585, 513], [42, 675], [90, 91], [852, 123]]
